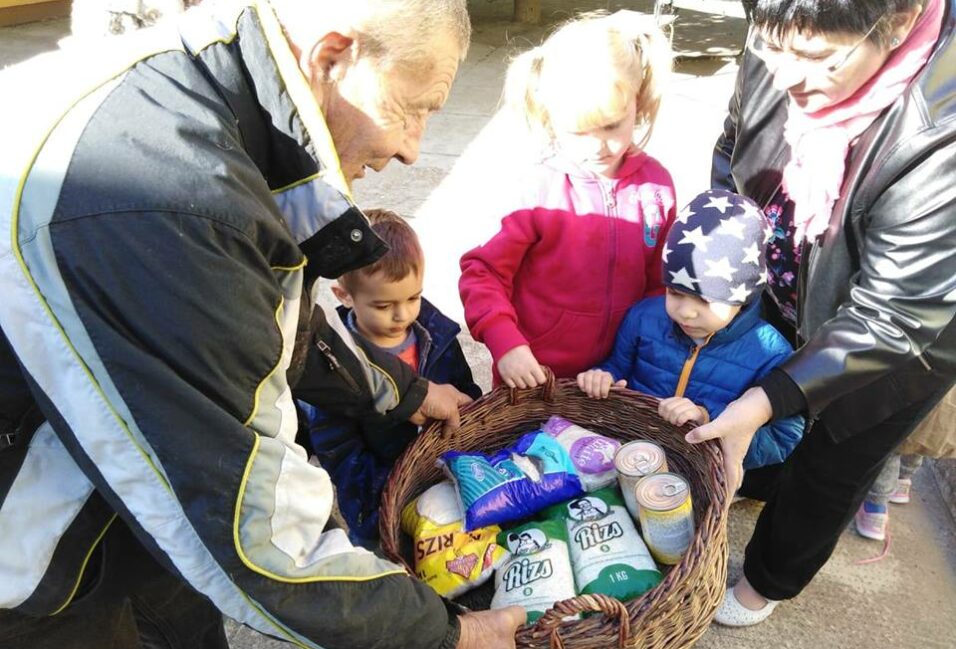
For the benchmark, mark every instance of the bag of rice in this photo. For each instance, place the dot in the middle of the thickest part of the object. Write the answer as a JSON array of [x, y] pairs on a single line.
[[447, 558], [607, 554], [515, 483], [537, 570], [591, 453]]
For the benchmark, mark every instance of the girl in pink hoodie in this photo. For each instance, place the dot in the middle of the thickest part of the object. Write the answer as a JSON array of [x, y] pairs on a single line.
[[583, 240]]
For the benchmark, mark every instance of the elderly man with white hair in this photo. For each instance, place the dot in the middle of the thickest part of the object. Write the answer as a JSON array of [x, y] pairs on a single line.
[[168, 200]]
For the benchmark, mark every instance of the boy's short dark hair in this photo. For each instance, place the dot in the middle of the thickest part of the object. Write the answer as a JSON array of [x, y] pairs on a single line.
[[404, 254]]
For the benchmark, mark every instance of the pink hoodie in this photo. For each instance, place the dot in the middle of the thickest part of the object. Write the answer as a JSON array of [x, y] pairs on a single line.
[[572, 256]]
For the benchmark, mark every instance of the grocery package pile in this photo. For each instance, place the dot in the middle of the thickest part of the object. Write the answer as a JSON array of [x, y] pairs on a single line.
[[562, 512]]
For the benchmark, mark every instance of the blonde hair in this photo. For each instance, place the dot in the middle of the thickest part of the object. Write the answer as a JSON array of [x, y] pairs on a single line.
[[586, 73]]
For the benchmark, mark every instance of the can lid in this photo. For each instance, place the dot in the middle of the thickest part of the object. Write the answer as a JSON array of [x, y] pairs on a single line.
[[662, 491], [639, 458]]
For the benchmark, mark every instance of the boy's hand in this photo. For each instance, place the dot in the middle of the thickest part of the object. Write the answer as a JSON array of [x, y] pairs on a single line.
[[680, 410], [597, 384], [442, 402], [518, 368]]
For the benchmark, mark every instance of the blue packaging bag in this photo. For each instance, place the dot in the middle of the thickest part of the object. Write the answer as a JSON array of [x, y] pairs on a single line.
[[515, 483]]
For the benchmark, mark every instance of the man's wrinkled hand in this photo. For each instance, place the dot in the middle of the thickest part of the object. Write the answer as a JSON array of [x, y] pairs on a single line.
[[442, 402], [494, 629]]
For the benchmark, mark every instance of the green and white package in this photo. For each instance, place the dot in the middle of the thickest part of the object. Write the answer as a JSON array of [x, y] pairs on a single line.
[[537, 572], [608, 555]]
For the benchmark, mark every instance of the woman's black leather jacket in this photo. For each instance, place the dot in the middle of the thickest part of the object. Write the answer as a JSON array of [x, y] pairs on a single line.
[[877, 294]]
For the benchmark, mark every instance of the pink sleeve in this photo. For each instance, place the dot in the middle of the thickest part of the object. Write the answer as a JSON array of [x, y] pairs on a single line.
[[487, 279]]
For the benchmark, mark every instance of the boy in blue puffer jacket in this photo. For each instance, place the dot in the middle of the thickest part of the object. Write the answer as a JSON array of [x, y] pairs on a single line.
[[703, 343], [383, 303]]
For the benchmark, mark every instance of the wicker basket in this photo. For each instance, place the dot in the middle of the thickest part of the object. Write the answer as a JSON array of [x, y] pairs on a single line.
[[677, 611]]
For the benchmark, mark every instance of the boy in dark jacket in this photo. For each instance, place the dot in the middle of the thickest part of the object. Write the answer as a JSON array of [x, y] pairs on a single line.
[[703, 343], [383, 303]]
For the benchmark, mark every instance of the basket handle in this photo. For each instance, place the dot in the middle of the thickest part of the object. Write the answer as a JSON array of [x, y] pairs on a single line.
[[611, 607], [547, 388]]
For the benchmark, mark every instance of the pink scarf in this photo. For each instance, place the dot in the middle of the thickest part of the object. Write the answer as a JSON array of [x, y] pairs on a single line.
[[819, 142]]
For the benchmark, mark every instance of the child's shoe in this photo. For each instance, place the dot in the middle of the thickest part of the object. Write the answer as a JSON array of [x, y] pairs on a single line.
[[902, 494], [871, 521]]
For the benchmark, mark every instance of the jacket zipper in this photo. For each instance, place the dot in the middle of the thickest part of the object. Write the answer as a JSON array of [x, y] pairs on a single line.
[[610, 208], [335, 366], [689, 367]]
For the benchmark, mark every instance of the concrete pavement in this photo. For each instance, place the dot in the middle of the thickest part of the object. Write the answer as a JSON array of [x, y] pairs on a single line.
[[907, 599]]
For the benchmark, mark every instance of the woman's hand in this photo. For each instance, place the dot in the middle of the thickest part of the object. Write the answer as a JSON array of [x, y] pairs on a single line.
[[494, 629], [518, 368], [597, 384], [735, 427], [680, 410]]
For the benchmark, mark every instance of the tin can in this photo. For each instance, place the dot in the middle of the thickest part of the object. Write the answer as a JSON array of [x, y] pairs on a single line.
[[633, 461], [667, 515]]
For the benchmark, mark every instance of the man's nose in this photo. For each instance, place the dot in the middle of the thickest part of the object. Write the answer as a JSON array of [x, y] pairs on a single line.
[[411, 143]]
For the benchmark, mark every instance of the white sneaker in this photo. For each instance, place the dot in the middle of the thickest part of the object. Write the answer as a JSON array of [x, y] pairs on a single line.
[[732, 613]]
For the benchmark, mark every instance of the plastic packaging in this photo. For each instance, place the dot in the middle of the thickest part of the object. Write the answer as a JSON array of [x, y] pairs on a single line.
[[591, 453], [607, 554], [537, 571], [515, 483], [447, 558]]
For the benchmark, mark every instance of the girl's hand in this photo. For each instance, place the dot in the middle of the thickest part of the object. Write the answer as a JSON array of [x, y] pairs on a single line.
[[735, 427], [680, 410], [518, 368], [597, 384]]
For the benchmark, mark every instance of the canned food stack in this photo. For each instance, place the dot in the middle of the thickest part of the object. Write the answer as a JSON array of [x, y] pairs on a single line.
[[657, 499]]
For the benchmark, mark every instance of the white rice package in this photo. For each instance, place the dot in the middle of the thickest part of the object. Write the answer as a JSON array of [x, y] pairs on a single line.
[[537, 571], [607, 554], [592, 454]]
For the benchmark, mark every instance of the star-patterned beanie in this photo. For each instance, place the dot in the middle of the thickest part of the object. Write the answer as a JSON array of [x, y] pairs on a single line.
[[715, 249]]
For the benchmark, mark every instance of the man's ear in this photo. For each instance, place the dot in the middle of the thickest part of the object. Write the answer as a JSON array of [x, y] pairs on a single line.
[[329, 51], [342, 295]]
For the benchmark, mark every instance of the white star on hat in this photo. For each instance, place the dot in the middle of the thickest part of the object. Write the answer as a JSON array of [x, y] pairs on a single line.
[[721, 203], [720, 268], [750, 209], [665, 251], [752, 254], [763, 278], [739, 293], [733, 227], [683, 278], [695, 237], [684, 215]]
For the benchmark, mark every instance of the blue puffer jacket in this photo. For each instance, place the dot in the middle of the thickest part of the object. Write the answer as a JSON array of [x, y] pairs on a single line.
[[358, 458], [651, 353]]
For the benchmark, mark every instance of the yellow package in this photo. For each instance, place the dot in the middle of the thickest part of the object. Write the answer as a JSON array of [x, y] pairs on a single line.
[[447, 558]]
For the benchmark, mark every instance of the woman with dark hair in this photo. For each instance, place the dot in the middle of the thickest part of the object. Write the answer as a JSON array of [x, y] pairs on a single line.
[[843, 127]]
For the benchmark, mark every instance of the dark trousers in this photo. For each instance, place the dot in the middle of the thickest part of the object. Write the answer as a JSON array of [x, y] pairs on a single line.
[[811, 497], [126, 601]]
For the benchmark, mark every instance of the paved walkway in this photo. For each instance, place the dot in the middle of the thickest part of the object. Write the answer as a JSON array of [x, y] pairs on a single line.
[[908, 599]]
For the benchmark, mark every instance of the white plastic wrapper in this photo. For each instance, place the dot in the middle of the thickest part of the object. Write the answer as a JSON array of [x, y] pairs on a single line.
[[592, 454], [607, 553], [537, 572]]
